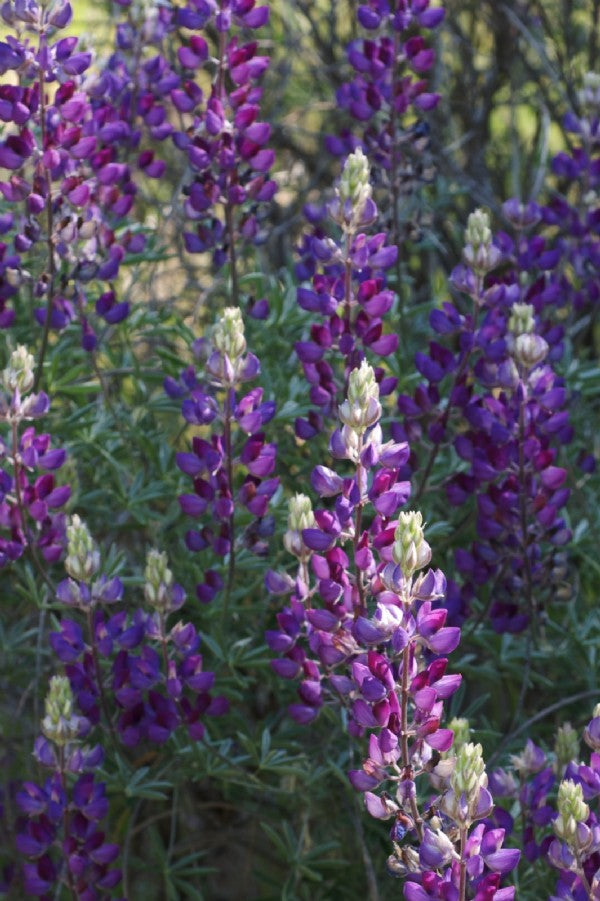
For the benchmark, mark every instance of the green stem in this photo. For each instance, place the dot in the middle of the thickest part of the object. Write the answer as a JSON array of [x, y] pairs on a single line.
[[229, 470], [462, 888], [49, 242]]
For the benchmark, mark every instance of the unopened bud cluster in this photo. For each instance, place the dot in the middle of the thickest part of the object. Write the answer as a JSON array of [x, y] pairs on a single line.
[[479, 252], [18, 375], [60, 724], [228, 336], [300, 516], [469, 772], [83, 558], [521, 320], [528, 349], [572, 811], [158, 583], [410, 550], [361, 409], [354, 190]]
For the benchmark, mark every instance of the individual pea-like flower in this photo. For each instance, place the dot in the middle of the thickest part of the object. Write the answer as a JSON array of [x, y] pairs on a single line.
[[83, 557], [361, 409], [60, 725], [410, 550], [530, 350], [300, 517]]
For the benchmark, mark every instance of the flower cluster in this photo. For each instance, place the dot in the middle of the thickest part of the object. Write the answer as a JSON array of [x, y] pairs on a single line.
[[565, 831], [214, 462], [67, 191], [30, 503], [504, 416], [156, 681], [367, 636], [66, 811], [225, 143], [388, 96], [220, 133], [573, 210], [348, 291]]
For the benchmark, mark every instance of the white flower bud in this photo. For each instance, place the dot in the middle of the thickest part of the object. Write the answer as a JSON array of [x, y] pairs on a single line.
[[83, 559], [228, 336], [410, 550], [521, 320], [361, 409], [354, 187], [572, 810], [60, 725], [469, 774], [19, 374], [300, 516], [158, 581], [529, 350]]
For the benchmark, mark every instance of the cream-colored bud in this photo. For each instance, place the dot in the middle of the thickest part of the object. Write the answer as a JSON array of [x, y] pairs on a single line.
[[410, 550], [469, 774], [19, 374], [83, 559], [479, 252], [572, 810], [529, 350], [158, 581], [228, 335], [354, 185], [521, 320], [478, 230], [361, 409], [300, 516], [60, 724], [300, 513]]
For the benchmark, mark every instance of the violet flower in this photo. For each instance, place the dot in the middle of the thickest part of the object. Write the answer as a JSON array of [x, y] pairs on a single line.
[[30, 503], [62, 837], [237, 445], [67, 190], [505, 418], [348, 292], [152, 673]]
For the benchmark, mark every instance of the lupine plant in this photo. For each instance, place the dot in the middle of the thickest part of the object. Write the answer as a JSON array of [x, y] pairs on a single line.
[[272, 667], [214, 462], [348, 289], [67, 190], [504, 416]]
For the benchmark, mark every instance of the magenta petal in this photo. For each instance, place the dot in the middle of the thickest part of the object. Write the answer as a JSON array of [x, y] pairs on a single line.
[[440, 740]]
